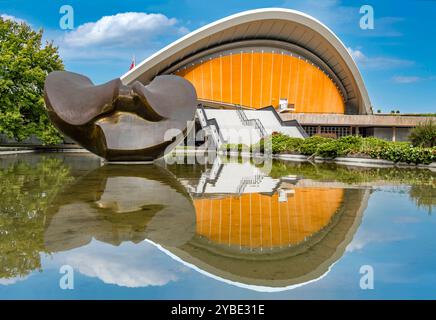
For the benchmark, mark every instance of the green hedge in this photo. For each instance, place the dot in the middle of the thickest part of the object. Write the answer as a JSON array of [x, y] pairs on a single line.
[[349, 146]]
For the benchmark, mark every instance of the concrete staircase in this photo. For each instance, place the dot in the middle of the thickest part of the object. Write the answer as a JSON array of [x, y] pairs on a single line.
[[242, 126]]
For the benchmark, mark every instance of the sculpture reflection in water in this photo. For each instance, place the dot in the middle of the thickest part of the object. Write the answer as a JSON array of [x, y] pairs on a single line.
[[231, 221], [117, 203]]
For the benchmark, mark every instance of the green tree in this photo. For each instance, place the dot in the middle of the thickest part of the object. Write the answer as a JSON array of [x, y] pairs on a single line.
[[24, 65]]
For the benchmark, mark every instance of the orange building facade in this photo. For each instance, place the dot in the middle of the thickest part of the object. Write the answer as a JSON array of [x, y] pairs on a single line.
[[258, 78]]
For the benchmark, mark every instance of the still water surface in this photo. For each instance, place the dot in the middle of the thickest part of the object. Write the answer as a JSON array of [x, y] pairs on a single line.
[[228, 230]]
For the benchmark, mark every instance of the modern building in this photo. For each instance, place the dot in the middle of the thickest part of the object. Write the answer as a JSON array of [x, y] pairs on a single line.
[[276, 60]]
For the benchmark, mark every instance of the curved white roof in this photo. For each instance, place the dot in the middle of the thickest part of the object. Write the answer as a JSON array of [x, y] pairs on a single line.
[[281, 25]]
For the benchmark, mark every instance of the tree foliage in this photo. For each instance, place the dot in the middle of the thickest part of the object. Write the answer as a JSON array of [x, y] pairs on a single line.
[[27, 193], [424, 135], [24, 65]]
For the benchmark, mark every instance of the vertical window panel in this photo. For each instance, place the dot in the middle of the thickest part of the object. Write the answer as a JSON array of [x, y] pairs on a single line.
[[266, 80], [256, 80], [226, 79], [283, 91], [259, 79], [246, 76], [236, 78], [275, 88], [216, 80], [207, 85]]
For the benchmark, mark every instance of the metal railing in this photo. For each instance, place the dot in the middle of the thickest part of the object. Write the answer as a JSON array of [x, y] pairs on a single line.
[[248, 181], [211, 125], [251, 122]]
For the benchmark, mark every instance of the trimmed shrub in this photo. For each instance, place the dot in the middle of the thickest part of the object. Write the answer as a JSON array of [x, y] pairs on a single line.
[[402, 152], [331, 149], [424, 135], [370, 143], [391, 151], [279, 143], [282, 143], [349, 145], [310, 145]]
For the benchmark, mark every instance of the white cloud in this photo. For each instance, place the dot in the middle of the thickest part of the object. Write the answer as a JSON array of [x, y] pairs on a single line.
[[357, 55], [411, 79], [365, 238], [406, 79], [10, 281], [115, 39], [123, 29], [5, 16], [378, 62], [127, 265], [116, 271]]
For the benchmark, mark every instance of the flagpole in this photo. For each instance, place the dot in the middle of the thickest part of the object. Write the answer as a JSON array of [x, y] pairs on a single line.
[[133, 62]]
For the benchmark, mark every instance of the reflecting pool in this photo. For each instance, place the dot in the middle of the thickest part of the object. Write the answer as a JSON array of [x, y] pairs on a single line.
[[231, 229]]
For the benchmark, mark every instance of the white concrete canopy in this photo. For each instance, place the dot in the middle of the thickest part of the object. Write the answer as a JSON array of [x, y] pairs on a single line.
[[282, 25]]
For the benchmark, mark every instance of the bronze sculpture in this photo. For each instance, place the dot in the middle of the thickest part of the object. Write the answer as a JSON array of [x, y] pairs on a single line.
[[121, 122]]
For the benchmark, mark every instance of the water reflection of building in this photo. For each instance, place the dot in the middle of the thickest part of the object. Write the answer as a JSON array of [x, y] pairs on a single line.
[[284, 267], [267, 233], [238, 204], [258, 221], [236, 178], [270, 234]]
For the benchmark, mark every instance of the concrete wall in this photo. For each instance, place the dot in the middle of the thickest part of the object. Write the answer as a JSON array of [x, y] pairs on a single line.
[[5, 140], [356, 120]]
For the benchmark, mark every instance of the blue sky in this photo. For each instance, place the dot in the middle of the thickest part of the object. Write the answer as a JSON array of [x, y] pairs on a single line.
[[397, 58]]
